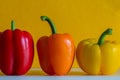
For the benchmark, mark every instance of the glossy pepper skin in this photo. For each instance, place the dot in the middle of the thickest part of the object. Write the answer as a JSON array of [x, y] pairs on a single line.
[[56, 52], [17, 51], [98, 58]]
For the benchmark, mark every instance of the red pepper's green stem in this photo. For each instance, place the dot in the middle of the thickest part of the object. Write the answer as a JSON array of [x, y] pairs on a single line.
[[45, 18], [12, 25], [103, 35]]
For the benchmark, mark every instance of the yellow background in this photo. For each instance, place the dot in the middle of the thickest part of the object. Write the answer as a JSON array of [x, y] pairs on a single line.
[[80, 18]]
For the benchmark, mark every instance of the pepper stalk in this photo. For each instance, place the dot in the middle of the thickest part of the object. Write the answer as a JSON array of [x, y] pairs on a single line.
[[103, 35], [45, 18]]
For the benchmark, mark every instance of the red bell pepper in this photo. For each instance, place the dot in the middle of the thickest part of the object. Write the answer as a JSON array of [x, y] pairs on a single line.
[[17, 51], [56, 53]]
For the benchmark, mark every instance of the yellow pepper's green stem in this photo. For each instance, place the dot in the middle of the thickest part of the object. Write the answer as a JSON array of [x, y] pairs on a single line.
[[12, 25], [103, 35], [45, 18]]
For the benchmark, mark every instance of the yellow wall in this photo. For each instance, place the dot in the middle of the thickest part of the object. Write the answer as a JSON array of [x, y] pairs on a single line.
[[80, 18]]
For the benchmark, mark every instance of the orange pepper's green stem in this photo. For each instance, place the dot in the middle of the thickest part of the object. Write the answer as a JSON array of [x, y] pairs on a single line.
[[45, 18], [103, 35], [12, 25]]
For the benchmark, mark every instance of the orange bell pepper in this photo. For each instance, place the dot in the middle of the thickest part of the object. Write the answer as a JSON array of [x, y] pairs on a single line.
[[56, 53]]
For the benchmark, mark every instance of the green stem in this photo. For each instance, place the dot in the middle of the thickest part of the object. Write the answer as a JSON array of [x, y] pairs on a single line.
[[45, 18], [103, 35], [12, 25]]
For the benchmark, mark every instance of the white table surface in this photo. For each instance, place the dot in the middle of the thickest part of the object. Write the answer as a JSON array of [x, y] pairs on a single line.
[[74, 74], [60, 78]]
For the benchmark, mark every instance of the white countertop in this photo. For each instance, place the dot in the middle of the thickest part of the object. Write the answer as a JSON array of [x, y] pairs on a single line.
[[59, 78], [74, 74]]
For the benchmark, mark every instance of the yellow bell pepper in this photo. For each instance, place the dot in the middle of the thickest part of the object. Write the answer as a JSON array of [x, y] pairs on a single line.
[[98, 58]]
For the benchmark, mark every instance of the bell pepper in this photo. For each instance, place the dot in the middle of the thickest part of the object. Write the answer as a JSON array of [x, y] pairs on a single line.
[[17, 51], [98, 58], [56, 52]]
